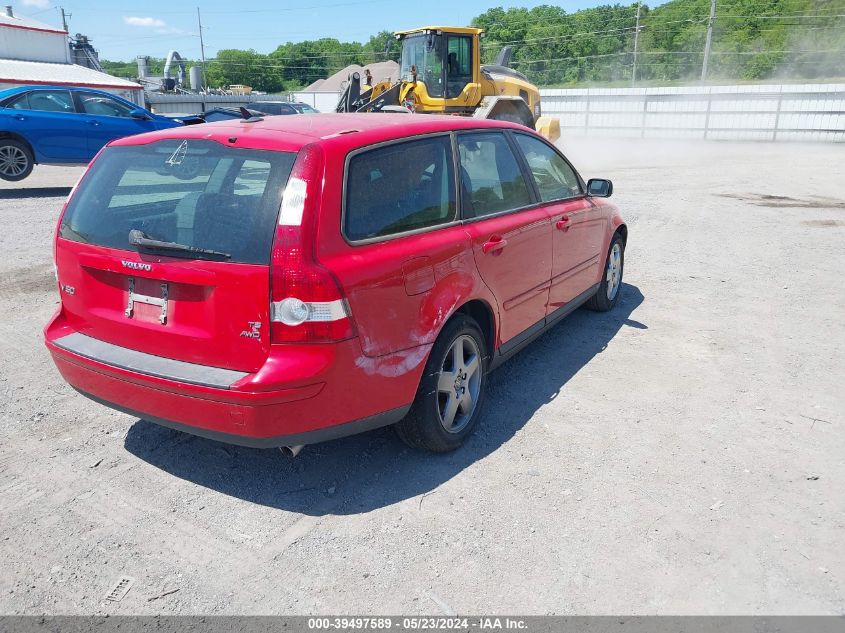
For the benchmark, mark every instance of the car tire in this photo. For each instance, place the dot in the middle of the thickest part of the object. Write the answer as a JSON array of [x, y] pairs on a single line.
[[16, 160], [451, 392], [610, 288]]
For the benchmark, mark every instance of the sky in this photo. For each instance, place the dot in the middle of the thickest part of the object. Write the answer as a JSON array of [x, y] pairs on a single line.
[[154, 27]]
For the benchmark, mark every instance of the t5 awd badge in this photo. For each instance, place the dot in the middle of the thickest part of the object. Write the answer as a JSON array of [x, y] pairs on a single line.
[[254, 330]]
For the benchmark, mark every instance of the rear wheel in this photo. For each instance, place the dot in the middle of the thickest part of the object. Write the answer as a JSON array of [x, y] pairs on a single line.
[[611, 283], [16, 160], [451, 392]]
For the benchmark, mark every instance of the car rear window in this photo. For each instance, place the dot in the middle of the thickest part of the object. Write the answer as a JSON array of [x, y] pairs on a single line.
[[401, 187], [196, 193]]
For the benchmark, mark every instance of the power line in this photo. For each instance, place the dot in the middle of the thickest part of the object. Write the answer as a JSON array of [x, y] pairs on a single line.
[[612, 32], [560, 37], [781, 17], [553, 21], [258, 64], [624, 53]]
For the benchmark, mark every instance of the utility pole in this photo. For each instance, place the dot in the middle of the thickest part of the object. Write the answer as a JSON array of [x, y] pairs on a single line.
[[202, 47], [708, 41], [65, 17], [636, 45]]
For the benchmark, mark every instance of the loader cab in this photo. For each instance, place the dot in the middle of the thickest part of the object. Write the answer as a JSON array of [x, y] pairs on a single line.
[[444, 59]]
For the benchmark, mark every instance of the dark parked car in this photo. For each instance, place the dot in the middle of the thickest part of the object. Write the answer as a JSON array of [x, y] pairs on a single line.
[[226, 114], [61, 125], [282, 107]]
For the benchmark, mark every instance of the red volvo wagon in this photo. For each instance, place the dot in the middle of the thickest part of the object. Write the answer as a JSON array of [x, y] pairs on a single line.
[[291, 280]]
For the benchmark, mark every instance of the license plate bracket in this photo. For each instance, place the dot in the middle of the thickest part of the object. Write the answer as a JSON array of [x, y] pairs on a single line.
[[134, 297]]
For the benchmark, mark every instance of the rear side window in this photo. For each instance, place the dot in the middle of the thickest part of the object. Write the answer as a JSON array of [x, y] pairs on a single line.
[[21, 102], [51, 101], [491, 179], [401, 187], [555, 179], [195, 193], [93, 103]]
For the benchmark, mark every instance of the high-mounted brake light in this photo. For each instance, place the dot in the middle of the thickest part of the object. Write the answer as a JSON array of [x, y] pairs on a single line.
[[307, 303]]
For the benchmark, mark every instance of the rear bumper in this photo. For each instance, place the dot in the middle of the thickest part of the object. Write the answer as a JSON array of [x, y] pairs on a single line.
[[289, 401], [308, 437]]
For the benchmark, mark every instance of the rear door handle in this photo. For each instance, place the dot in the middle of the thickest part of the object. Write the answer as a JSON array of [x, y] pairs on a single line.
[[93, 123], [495, 244], [563, 223]]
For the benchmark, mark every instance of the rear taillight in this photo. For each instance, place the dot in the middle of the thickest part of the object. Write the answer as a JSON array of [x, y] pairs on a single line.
[[307, 303]]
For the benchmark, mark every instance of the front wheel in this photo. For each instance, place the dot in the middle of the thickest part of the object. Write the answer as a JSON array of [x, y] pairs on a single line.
[[451, 392], [611, 283], [16, 160]]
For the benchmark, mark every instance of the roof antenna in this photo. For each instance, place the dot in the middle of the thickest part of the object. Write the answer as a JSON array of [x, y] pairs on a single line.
[[248, 116]]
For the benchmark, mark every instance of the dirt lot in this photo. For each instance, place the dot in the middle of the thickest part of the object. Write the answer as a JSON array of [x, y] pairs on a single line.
[[682, 454]]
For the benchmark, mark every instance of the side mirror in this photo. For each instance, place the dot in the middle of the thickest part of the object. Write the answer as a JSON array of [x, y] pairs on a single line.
[[599, 187], [138, 113]]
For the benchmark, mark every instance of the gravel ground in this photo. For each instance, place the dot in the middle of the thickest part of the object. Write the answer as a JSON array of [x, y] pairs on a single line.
[[683, 454]]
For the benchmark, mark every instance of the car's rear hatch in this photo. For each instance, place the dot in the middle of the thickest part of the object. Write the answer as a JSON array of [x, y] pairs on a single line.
[[165, 248]]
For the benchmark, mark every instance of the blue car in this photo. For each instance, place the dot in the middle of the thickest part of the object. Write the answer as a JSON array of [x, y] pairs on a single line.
[[60, 125]]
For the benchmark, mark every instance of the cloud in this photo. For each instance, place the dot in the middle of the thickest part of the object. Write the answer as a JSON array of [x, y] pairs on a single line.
[[161, 27], [139, 21], [41, 4]]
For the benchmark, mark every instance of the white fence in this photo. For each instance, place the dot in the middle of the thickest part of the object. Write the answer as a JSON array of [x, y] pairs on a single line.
[[195, 103], [806, 112], [787, 112], [322, 101]]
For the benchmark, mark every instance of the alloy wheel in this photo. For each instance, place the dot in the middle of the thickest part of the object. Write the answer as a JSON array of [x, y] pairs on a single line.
[[13, 161], [459, 383], [614, 271]]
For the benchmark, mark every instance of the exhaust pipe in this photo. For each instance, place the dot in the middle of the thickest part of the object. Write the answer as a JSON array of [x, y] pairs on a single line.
[[292, 451]]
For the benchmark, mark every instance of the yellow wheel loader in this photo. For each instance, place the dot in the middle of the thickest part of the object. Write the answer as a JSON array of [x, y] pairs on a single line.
[[440, 73]]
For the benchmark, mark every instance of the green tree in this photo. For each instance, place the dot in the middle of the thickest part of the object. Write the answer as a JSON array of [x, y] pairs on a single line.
[[302, 63], [233, 66], [381, 47]]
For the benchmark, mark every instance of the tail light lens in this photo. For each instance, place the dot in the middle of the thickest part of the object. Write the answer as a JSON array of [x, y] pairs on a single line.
[[307, 303]]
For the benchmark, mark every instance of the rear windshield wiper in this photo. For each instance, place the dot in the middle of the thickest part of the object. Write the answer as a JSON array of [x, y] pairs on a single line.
[[139, 238]]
